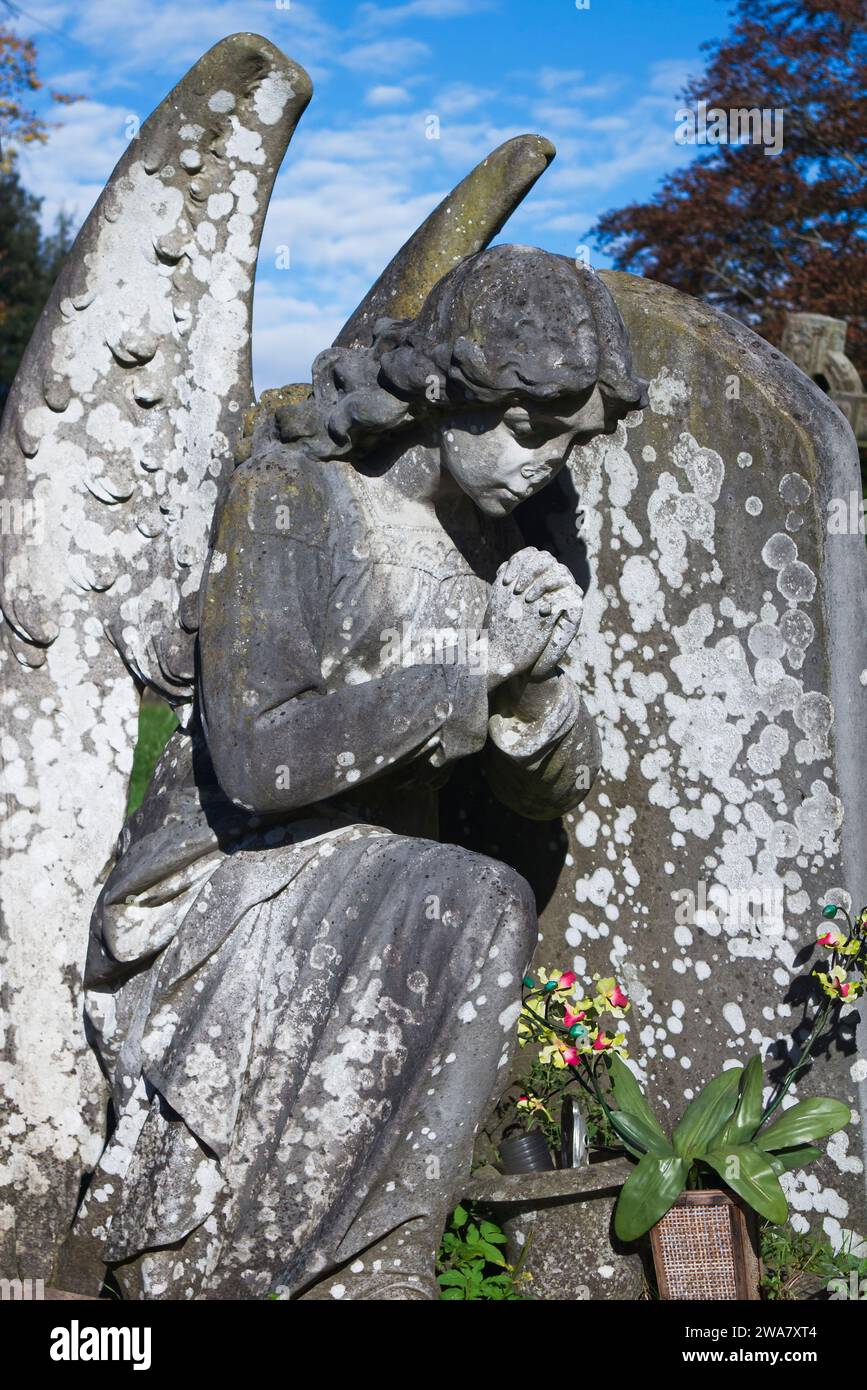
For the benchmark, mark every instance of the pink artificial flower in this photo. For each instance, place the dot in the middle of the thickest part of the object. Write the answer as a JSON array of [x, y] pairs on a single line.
[[567, 979], [601, 1042], [570, 1056], [839, 985], [830, 938], [619, 1000], [570, 1020]]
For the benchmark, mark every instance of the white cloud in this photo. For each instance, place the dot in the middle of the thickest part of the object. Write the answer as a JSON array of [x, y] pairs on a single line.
[[386, 96], [550, 79], [136, 35], [608, 123], [458, 97], [671, 75], [387, 56], [347, 218], [70, 171], [641, 151], [548, 116], [289, 331], [379, 15]]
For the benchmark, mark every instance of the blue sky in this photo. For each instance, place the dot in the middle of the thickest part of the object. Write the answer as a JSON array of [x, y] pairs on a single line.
[[602, 83]]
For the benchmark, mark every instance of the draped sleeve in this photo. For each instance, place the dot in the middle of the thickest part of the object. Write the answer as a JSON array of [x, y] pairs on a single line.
[[543, 752], [280, 736]]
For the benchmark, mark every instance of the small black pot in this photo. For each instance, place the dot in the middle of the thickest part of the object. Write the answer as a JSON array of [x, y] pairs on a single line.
[[526, 1153]]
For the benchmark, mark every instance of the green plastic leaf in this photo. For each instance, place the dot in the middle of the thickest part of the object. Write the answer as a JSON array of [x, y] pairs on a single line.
[[748, 1111], [647, 1194], [638, 1133], [815, 1118], [793, 1158], [747, 1171], [705, 1116], [629, 1096]]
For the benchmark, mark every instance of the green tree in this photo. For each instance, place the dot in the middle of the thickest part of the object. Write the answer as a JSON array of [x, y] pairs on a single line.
[[22, 278], [29, 262]]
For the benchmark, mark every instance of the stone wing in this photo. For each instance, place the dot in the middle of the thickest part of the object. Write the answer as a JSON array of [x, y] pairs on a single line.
[[116, 435], [122, 419]]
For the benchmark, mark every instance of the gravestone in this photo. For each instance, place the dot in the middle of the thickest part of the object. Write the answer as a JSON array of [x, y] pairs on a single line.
[[817, 344], [723, 655], [725, 658]]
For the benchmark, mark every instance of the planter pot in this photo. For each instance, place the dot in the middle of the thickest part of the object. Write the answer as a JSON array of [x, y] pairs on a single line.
[[526, 1153], [706, 1247], [560, 1228]]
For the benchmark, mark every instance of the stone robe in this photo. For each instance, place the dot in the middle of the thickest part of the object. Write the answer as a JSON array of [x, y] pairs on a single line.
[[303, 1001]]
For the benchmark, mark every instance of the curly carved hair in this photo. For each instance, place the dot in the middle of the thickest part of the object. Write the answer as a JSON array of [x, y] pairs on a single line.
[[510, 324]]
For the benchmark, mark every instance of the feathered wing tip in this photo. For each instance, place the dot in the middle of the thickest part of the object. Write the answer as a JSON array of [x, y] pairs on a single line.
[[463, 223], [123, 417]]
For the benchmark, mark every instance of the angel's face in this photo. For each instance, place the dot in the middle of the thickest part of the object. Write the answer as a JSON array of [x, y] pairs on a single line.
[[500, 457]]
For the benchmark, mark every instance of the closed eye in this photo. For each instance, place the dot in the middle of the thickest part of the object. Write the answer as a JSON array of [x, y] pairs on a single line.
[[536, 428]]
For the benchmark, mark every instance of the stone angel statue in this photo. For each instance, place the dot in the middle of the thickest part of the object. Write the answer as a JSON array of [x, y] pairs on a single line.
[[300, 1000]]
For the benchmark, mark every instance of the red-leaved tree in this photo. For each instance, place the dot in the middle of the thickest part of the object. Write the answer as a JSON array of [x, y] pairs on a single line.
[[757, 235]]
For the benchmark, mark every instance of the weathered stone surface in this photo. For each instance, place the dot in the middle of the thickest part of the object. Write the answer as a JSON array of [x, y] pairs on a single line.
[[572, 1252], [724, 663], [724, 654], [560, 1231], [117, 431], [289, 978], [817, 344]]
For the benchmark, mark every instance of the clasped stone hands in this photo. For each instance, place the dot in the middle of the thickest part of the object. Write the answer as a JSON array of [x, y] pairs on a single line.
[[534, 611]]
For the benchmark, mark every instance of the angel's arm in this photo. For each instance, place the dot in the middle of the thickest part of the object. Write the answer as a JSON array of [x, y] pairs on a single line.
[[542, 754], [278, 739]]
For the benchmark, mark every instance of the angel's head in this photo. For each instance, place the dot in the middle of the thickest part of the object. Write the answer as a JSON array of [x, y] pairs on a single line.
[[516, 356]]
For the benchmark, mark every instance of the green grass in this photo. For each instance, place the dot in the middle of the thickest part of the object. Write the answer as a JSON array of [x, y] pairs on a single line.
[[156, 724], [800, 1266]]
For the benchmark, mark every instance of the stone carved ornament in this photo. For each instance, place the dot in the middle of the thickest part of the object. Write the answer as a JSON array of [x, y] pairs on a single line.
[[817, 344], [300, 1000]]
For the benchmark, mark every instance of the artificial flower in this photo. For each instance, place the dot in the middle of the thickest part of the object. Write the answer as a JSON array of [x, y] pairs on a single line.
[[552, 1055], [531, 1104], [835, 941], [610, 996], [837, 986], [556, 979], [832, 939]]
